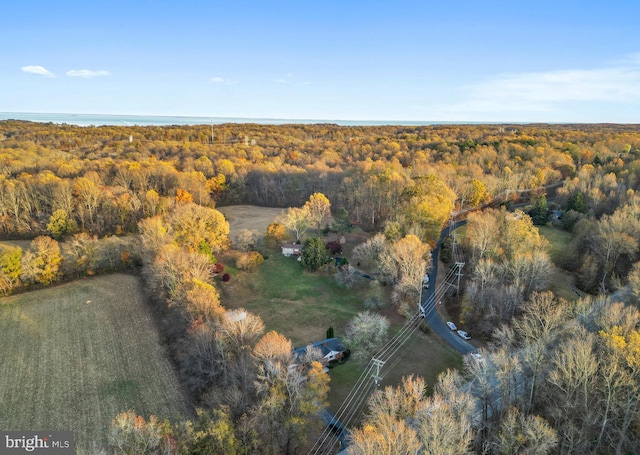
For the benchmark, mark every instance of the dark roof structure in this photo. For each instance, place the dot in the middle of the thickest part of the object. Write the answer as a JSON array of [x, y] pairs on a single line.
[[326, 346]]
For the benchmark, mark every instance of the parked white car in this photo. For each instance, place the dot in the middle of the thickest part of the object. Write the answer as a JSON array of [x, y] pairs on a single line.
[[452, 326], [464, 335]]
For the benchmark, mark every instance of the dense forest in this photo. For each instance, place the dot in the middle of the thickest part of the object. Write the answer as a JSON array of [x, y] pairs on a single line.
[[557, 376]]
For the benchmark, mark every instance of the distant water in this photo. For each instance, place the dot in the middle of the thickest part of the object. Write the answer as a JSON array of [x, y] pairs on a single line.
[[143, 120]]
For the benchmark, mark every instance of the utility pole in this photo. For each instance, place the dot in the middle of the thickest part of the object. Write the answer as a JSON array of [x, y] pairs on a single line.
[[376, 376], [459, 265]]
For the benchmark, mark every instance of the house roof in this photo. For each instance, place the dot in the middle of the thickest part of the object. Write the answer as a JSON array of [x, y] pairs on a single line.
[[292, 245], [326, 346]]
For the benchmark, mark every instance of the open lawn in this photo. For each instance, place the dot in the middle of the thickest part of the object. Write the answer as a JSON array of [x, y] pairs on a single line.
[[24, 244], [302, 306], [558, 240], [298, 304], [249, 217], [423, 355], [562, 282], [75, 355]]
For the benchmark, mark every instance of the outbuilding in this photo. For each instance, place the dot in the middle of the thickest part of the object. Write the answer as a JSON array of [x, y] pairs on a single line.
[[291, 249]]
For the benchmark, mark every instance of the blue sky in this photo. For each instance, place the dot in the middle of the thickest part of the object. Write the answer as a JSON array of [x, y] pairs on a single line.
[[542, 61]]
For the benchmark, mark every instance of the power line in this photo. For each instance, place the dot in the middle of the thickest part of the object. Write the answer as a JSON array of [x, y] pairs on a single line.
[[351, 406]]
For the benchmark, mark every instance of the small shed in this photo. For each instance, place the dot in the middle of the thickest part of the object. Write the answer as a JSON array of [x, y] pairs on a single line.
[[291, 249]]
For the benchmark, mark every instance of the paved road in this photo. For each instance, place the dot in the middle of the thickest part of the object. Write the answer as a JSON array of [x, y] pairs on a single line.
[[427, 301]]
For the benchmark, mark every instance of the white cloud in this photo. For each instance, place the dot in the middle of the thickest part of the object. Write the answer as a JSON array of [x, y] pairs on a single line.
[[39, 70], [87, 73], [220, 80], [544, 91]]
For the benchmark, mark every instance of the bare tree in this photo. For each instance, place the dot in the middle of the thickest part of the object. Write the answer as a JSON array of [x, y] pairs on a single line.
[[365, 334], [525, 434]]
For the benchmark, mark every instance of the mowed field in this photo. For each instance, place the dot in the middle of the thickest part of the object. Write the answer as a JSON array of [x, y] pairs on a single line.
[[249, 217], [73, 356]]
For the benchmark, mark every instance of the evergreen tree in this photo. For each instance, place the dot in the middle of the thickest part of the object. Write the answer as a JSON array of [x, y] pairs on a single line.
[[577, 203], [540, 212], [314, 254]]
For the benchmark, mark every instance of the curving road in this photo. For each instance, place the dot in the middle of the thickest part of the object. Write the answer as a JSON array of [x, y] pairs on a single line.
[[427, 301]]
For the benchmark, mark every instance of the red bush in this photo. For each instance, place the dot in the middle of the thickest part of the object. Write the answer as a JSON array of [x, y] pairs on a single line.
[[334, 247], [226, 277], [217, 268]]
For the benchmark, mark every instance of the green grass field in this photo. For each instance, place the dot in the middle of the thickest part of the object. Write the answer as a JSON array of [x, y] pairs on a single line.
[[303, 305], [423, 355], [75, 355], [298, 304], [561, 281], [558, 239]]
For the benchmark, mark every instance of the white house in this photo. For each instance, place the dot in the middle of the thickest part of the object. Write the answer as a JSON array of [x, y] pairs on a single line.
[[291, 249]]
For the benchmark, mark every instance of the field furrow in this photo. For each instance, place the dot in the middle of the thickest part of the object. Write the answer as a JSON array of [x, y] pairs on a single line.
[[75, 355]]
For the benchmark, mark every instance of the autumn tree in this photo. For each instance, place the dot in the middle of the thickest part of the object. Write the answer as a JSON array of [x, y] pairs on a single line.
[[191, 224], [249, 261], [509, 261], [318, 208], [41, 262], [427, 205], [10, 269], [572, 379], [88, 196], [213, 433], [476, 193], [525, 434], [297, 221], [202, 300], [61, 225], [404, 420], [171, 270], [287, 397], [132, 434], [406, 259], [275, 234]]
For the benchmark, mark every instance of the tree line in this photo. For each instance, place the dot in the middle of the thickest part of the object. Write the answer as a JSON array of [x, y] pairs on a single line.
[[104, 180]]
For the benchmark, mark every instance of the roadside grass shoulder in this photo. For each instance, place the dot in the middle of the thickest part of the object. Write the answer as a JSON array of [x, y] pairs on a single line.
[[76, 355]]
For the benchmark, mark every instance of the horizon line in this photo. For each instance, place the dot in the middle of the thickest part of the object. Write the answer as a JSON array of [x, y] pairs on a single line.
[[284, 120]]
